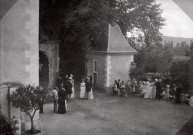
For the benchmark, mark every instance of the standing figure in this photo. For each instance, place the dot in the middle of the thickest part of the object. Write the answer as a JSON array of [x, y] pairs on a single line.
[[166, 95], [62, 107], [158, 89], [128, 87], [148, 89], [41, 101], [133, 84], [123, 89], [58, 82], [88, 86], [173, 93], [65, 80], [119, 85], [55, 98], [82, 89], [72, 82], [68, 88], [178, 93], [153, 90], [90, 96], [116, 91]]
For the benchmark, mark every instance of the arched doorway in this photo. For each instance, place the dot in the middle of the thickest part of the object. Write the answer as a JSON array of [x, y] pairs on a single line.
[[43, 70]]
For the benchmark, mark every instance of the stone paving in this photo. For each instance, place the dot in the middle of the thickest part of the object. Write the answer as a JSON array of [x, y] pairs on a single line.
[[111, 115]]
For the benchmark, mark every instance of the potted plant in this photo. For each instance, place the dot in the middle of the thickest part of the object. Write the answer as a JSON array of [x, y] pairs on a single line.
[[28, 99]]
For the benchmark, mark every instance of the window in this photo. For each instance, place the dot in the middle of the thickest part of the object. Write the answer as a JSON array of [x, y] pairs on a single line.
[[95, 66]]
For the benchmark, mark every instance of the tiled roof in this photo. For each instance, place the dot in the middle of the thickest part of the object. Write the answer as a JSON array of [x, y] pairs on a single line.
[[5, 5], [113, 41], [117, 41], [186, 6]]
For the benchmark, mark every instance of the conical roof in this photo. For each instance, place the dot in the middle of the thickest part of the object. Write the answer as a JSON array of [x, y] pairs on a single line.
[[113, 41], [117, 41]]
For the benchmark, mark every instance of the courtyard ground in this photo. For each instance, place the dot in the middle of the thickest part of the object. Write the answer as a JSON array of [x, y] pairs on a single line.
[[111, 115]]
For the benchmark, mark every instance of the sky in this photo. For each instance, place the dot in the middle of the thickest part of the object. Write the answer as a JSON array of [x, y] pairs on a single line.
[[178, 24]]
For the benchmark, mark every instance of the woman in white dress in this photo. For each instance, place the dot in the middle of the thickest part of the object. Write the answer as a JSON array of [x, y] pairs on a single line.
[[153, 91], [72, 81], [82, 89], [148, 88]]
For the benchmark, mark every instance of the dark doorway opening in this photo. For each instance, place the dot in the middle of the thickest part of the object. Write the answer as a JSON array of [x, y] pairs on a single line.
[[43, 70]]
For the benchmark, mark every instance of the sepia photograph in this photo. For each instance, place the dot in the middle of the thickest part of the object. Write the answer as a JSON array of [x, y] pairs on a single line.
[[96, 67]]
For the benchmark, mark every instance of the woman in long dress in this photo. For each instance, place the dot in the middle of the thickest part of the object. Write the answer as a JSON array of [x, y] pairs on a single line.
[[148, 90], [90, 95], [72, 82], [82, 89], [62, 107], [153, 91]]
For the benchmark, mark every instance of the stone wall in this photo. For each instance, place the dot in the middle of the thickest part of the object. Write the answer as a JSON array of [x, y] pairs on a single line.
[[101, 69], [19, 32], [118, 69], [19, 48], [51, 50], [110, 67]]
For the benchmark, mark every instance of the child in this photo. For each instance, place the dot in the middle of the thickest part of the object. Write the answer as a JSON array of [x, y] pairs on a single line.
[[55, 98], [82, 89]]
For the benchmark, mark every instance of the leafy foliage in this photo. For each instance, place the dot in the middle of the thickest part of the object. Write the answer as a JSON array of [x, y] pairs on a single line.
[[81, 21], [179, 73], [153, 59], [28, 98], [8, 127], [77, 24]]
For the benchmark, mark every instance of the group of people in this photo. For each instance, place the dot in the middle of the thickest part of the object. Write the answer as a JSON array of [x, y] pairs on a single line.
[[86, 88], [64, 91], [120, 88], [153, 89]]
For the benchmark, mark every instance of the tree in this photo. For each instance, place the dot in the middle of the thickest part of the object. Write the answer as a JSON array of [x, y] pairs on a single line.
[[77, 24], [154, 59], [82, 21], [28, 98], [179, 74]]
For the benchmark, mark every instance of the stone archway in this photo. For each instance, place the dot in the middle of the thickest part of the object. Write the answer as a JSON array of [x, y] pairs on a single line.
[[51, 50]]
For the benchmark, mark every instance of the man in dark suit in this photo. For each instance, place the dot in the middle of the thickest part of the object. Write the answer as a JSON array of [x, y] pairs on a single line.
[[178, 94], [68, 87], [158, 89], [88, 86]]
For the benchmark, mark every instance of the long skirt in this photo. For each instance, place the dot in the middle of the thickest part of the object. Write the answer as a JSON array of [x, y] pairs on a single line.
[[153, 91], [90, 95], [82, 92], [148, 94], [62, 107], [72, 95]]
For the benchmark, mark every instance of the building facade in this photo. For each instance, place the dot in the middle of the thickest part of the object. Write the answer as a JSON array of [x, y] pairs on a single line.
[[110, 60], [19, 50]]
